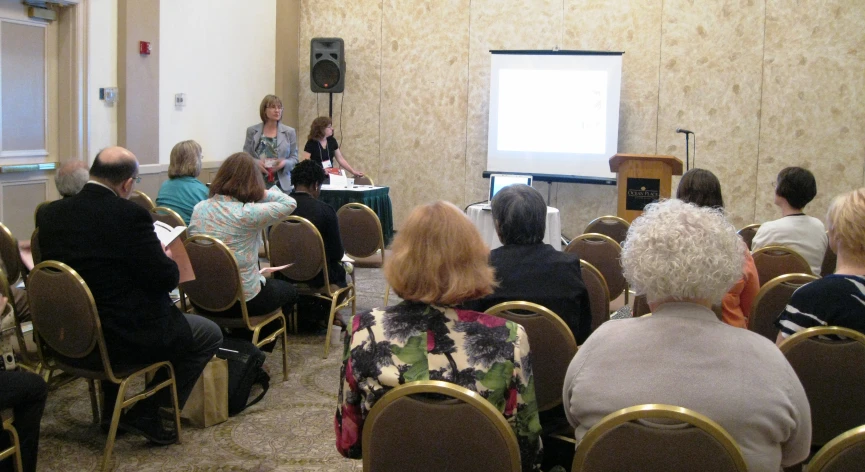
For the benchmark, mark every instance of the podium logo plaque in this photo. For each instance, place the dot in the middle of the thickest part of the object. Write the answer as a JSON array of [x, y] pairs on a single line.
[[641, 192]]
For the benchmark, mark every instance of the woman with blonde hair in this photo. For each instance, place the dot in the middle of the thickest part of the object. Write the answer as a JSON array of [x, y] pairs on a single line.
[[182, 191], [272, 144], [837, 299], [322, 147], [439, 261]]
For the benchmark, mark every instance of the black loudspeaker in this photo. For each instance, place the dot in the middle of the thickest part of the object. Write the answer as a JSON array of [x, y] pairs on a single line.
[[327, 65]]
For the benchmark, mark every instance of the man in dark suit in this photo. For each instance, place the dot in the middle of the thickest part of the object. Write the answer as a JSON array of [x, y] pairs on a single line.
[[111, 243], [307, 179], [529, 270]]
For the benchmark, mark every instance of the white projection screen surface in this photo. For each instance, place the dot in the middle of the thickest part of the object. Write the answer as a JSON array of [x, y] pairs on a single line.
[[554, 113]]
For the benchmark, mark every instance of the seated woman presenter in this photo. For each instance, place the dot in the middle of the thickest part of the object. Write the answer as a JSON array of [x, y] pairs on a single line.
[[700, 187], [238, 209], [439, 261], [322, 147], [272, 144], [182, 191]]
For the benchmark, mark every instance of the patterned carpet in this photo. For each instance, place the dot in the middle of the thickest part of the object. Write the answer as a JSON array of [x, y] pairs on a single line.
[[290, 430]]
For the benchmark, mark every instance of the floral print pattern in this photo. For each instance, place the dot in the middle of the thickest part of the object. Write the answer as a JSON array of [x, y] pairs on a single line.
[[414, 341]]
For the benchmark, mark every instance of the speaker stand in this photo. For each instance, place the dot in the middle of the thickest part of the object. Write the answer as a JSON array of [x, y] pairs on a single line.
[[330, 107]]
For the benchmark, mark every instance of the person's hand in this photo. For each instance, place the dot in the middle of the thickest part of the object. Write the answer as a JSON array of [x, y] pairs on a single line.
[[358, 174], [261, 167], [279, 165], [3, 301], [167, 251]]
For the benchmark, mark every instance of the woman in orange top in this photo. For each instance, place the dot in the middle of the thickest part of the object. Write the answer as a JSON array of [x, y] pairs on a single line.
[[700, 187]]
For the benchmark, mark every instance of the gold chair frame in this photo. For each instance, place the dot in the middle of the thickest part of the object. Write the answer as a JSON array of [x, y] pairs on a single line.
[[28, 364], [652, 411], [800, 279], [788, 252], [835, 447], [602, 237], [9, 254], [142, 199], [745, 229], [587, 266], [244, 321], [326, 293], [506, 310], [108, 373], [371, 213], [448, 389], [15, 448], [607, 218], [806, 334]]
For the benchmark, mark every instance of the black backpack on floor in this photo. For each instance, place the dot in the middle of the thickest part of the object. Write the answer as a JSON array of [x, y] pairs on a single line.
[[245, 370]]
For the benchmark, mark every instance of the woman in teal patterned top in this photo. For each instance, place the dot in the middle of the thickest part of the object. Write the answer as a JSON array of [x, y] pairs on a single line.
[[182, 191], [272, 144], [439, 261]]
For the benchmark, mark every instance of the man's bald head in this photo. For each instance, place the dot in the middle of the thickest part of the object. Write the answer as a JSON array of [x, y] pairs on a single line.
[[117, 168], [71, 177]]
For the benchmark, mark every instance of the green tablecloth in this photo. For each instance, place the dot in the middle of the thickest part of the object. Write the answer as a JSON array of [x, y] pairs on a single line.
[[377, 198]]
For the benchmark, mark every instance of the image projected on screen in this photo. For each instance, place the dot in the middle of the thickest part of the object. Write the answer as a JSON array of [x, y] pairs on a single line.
[[554, 114], [530, 121]]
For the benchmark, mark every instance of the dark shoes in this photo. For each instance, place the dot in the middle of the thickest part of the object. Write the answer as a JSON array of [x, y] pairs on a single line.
[[147, 424]]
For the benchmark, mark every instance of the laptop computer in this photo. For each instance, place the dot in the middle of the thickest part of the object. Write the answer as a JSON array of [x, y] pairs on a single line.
[[500, 181]]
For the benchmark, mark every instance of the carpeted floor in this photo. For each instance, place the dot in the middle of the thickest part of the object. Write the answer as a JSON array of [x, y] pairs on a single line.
[[290, 430]]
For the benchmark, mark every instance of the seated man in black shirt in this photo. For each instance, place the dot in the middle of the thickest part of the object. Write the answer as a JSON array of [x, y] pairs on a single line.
[[529, 270], [307, 179]]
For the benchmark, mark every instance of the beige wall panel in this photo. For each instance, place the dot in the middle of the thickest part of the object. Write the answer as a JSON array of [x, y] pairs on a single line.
[[19, 203], [355, 112], [711, 68], [22, 77], [287, 62], [612, 25], [494, 26], [150, 184], [424, 93], [813, 98]]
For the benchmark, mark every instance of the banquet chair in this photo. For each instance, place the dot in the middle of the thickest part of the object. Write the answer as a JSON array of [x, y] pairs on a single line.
[[169, 217], [296, 241], [612, 226], [830, 363], [772, 261], [771, 300], [830, 260], [845, 453], [365, 180], [362, 238], [747, 233], [29, 360], [38, 207], [140, 198], [443, 425], [10, 255], [599, 294], [553, 347], [602, 252], [13, 452], [217, 287], [35, 251], [662, 438], [68, 328], [641, 306]]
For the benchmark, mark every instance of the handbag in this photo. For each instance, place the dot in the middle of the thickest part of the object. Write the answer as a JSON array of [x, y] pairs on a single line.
[[245, 362], [207, 404]]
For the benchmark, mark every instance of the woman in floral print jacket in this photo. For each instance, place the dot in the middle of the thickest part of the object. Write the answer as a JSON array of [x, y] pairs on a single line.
[[439, 261]]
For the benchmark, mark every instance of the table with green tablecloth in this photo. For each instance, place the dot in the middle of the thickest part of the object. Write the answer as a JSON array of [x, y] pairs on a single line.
[[377, 198]]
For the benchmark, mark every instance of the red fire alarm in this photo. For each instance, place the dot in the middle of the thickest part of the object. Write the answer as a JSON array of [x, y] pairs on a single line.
[[144, 48]]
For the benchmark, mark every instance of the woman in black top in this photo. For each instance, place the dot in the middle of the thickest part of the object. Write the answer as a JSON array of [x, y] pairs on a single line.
[[321, 146]]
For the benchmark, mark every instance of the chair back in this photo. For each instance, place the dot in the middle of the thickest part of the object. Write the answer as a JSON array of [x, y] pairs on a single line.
[[641, 306], [434, 425], [360, 230], [830, 260], [35, 250], [365, 180], [772, 261], [599, 294], [747, 234], [38, 207], [771, 300], [140, 198], [602, 252], [660, 438], [167, 216], [845, 453], [10, 254], [612, 226], [830, 363], [217, 285], [553, 347], [296, 241]]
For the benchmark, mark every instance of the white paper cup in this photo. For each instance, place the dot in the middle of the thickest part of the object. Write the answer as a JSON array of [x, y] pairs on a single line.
[[350, 182], [336, 335]]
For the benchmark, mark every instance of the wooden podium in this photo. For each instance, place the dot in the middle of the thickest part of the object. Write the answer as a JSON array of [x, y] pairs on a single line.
[[642, 179]]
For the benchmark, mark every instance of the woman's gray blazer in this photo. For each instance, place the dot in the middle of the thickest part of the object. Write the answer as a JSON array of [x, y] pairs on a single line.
[[286, 148]]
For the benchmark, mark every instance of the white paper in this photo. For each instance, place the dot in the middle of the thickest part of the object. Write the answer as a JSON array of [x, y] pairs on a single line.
[[165, 233], [268, 270], [338, 180]]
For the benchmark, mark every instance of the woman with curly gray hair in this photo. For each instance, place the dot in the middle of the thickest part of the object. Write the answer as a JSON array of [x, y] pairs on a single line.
[[684, 258]]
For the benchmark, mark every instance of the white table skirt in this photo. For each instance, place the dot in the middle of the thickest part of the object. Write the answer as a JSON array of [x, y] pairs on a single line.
[[483, 221]]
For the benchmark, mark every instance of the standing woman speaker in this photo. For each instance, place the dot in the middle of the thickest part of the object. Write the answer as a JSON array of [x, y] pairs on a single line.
[[272, 144]]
